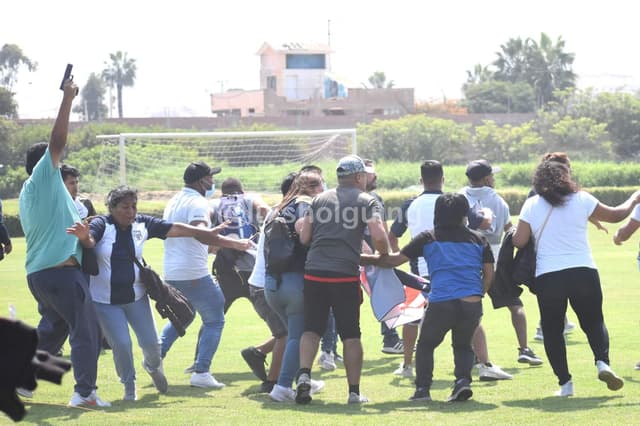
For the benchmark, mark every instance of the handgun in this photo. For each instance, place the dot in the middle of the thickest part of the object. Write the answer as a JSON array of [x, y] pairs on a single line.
[[67, 76]]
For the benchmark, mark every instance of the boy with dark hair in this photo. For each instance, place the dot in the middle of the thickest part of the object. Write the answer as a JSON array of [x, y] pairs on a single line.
[[460, 265]]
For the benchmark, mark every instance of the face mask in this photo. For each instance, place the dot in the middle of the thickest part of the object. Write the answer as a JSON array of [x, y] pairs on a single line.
[[209, 192]]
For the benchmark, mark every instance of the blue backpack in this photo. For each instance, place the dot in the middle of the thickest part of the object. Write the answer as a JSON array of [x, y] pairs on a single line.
[[236, 209]]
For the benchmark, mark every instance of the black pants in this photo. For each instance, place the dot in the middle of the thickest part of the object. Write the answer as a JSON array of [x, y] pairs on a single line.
[[581, 288], [461, 318]]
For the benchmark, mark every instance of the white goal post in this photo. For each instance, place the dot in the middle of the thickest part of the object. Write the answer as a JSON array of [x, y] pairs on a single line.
[[260, 159]]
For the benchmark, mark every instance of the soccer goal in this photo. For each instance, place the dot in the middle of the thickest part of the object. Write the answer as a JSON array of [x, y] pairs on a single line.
[[156, 161]]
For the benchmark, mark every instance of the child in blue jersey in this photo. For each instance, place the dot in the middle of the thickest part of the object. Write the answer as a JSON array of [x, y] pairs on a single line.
[[460, 263]]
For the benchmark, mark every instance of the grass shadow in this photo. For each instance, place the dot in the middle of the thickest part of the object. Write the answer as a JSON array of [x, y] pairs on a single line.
[[319, 406], [554, 404]]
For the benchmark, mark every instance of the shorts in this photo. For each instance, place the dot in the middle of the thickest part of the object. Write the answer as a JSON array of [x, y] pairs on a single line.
[[269, 316], [500, 301], [345, 300]]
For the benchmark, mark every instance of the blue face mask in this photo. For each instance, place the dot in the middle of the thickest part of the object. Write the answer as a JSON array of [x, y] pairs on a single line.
[[209, 192]]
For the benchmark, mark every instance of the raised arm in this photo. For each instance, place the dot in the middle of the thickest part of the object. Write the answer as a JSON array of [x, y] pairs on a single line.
[[61, 126], [615, 214]]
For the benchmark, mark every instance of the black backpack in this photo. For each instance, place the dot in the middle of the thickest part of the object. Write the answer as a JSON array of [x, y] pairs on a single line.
[[279, 245]]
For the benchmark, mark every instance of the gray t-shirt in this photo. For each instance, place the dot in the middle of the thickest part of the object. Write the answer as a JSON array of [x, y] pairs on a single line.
[[339, 218]]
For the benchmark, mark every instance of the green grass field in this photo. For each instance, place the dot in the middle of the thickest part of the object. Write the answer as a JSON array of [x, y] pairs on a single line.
[[524, 400]]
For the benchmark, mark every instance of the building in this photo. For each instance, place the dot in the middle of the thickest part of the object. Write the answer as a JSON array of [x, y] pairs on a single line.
[[296, 80]]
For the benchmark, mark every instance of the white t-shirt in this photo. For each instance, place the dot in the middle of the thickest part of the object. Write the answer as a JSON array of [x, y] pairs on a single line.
[[258, 275], [186, 258], [635, 214], [83, 211], [563, 243], [419, 219]]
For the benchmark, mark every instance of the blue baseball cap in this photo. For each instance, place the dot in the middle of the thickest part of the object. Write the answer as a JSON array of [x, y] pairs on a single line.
[[350, 165]]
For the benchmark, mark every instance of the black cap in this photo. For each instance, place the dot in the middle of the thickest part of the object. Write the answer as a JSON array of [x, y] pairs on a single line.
[[198, 170], [477, 169]]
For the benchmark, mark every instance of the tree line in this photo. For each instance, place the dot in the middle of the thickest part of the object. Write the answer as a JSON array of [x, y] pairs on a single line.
[[119, 72]]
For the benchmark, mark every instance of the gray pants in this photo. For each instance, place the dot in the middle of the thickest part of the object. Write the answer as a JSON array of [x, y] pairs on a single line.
[[63, 295]]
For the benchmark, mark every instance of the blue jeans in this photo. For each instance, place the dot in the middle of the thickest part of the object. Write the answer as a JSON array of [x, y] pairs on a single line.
[[63, 296], [207, 299], [287, 299], [114, 321]]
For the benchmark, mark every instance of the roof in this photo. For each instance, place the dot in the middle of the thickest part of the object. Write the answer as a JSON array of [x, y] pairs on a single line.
[[297, 47]]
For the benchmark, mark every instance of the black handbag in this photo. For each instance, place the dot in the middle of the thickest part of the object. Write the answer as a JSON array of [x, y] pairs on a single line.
[[170, 302]]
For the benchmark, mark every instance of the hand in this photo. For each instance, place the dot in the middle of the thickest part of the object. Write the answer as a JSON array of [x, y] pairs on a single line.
[[80, 230], [70, 89], [217, 229], [600, 226], [616, 239], [244, 244], [7, 248]]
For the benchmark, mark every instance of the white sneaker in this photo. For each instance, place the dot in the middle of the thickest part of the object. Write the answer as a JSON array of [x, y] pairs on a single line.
[[565, 390], [404, 370], [282, 394], [327, 361], [493, 372], [93, 400], [568, 327], [606, 374], [539, 336], [355, 398], [205, 380], [316, 386]]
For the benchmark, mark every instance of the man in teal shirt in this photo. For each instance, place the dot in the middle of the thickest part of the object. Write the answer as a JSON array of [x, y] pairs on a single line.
[[54, 257]]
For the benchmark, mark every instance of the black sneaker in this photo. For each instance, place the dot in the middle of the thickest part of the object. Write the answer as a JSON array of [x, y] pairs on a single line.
[[267, 386], [303, 389], [526, 356], [255, 360], [393, 349], [461, 391], [421, 394]]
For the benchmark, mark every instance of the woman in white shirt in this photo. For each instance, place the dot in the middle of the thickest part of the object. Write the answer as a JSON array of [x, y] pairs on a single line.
[[557, 219]]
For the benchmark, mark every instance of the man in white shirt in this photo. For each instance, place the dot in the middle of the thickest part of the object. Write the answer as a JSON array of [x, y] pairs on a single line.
[[186, 268]]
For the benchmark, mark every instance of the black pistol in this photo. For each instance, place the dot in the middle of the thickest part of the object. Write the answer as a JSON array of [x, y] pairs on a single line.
[[67, 76]]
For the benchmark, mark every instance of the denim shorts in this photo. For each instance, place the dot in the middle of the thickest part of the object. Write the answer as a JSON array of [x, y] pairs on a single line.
[[276, 326]]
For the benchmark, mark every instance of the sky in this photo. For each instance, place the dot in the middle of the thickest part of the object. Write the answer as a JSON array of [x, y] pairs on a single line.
[[187, 49]]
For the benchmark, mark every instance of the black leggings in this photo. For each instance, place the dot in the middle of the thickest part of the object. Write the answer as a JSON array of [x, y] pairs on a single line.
[[581, 288]]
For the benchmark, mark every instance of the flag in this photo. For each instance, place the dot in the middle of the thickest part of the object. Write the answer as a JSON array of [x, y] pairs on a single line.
[[396, 296]]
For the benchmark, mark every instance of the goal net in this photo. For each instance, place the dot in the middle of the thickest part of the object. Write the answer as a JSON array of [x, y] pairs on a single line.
[[156, 161]]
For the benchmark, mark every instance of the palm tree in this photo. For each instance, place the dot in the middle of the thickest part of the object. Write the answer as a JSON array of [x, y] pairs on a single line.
[[120, 72], [480, 74], [512, 60], [545, 66], [550, 67], [379, 81]]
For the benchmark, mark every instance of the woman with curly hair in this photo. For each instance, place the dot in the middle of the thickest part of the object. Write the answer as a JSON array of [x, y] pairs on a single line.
[[556, 218]]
